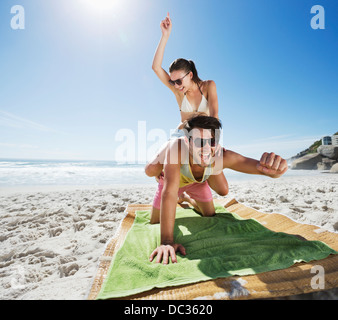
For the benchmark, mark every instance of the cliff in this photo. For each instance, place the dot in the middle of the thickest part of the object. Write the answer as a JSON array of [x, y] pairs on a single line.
[[317, 157]]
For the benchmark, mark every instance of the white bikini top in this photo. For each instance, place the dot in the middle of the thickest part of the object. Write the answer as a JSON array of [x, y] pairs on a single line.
[[203, 107]]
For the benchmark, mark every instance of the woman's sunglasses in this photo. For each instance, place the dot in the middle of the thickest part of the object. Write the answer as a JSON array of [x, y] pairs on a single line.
[[200, 143], [178, 81]]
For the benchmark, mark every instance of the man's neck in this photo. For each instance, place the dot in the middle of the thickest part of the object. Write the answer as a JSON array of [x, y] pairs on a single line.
[[196, 169]]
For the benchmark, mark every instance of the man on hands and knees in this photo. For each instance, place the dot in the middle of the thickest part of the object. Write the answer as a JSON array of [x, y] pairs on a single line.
[[191, 164]]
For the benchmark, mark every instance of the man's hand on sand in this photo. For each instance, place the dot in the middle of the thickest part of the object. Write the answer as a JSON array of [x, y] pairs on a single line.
[[272, 165], [164, 251]]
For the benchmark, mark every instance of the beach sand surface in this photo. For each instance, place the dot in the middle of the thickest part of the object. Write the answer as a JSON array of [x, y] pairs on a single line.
[[51, 239]]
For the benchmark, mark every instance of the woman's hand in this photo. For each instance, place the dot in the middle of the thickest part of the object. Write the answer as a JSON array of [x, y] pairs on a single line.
[[166, 26], [164, 251]]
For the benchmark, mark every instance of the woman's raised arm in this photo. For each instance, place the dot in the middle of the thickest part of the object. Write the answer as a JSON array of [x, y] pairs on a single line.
[[166, 27]]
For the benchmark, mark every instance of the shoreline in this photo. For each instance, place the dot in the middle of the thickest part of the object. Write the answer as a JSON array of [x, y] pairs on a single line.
[[53, 237], [12, 190], [232, 176]]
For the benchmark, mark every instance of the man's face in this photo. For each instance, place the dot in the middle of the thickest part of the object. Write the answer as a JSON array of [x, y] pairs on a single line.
[[202, 146]]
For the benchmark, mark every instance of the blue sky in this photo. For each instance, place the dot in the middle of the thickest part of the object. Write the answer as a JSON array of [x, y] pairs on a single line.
[[77, 74]]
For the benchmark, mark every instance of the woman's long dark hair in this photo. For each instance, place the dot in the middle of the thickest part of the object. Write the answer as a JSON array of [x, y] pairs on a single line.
[[187, 66]]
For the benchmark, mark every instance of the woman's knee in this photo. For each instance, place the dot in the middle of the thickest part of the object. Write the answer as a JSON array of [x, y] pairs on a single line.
[[150, 170], [223, 191]]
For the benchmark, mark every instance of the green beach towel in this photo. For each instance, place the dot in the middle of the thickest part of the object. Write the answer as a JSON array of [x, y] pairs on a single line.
[[216, 247]]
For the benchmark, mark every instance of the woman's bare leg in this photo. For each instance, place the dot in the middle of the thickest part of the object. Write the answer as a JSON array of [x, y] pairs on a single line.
[[219, 184], [154, 167], [207, 209]]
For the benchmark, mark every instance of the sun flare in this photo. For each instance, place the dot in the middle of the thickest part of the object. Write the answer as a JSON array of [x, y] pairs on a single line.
[[102, 6]]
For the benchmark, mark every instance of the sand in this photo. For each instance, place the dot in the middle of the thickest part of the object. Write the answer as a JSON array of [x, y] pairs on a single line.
[[51, 239]]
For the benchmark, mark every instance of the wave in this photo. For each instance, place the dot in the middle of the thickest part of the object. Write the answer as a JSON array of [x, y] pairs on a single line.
[[67, 172], [56, 172]]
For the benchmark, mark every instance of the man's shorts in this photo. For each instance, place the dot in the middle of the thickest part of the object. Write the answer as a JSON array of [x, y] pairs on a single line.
[[198, 191]]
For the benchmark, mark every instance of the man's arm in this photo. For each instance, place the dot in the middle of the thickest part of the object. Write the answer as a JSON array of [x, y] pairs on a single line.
[[169, 202], [168, 207], [270, 164]]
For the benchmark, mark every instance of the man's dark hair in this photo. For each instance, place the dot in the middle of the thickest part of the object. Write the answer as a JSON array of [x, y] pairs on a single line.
[[204, 122]]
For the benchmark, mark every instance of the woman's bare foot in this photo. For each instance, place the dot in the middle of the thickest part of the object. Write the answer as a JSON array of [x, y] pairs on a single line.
[[184, 198]]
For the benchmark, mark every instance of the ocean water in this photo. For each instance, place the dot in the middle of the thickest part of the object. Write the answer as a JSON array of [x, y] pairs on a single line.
[[69, 172], [23, 173]]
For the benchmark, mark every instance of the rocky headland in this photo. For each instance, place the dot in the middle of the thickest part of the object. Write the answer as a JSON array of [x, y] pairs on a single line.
[[317, 157]]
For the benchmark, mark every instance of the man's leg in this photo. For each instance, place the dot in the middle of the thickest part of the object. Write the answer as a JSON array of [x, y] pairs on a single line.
[[155, 215], [155, 210], [207, 209], [200, 197]]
